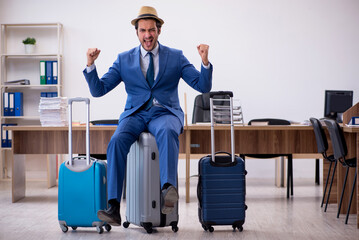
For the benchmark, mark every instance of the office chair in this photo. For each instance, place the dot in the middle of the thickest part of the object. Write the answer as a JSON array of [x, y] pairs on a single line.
[[201, 108], [322, 145], [340, 151], [273, 121]]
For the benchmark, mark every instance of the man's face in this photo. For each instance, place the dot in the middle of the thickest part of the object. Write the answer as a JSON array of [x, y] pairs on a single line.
[[148, 33]]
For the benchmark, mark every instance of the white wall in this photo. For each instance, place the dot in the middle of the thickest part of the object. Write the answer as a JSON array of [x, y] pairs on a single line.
[[277, 56]]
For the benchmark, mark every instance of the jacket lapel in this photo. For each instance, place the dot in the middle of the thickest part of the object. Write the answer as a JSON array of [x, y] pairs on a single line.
[[162, 62], [136, 58]]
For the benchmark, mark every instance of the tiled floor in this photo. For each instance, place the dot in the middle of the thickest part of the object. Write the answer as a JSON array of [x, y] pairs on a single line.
[[269, 216]]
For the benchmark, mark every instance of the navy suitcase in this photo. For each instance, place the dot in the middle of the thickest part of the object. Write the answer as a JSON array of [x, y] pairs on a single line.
[[221, 185], [82, 185]]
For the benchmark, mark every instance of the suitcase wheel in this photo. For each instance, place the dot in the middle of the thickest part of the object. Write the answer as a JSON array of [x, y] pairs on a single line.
[[108, 227], [208, 228], [240, 228], [64, 228], [126, 224], [99, 229], [205, 228], [74, 228], [148, 227], [174, 228]]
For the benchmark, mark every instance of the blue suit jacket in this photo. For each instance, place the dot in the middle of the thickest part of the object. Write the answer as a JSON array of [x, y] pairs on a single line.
[[173, 65]]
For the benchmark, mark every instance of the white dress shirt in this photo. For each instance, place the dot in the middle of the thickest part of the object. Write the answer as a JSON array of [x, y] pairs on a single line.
[[145, 61]]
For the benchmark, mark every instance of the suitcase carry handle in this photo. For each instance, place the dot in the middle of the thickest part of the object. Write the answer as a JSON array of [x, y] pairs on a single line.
[[211, 95], [222, 160], [222, 152], [87, 101]]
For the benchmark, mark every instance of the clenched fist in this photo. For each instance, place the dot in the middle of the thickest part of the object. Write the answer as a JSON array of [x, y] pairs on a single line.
[[92, 54], [203, 52]]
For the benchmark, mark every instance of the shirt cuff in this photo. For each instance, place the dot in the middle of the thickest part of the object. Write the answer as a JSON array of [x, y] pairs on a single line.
[[90, 68], [208, 66]]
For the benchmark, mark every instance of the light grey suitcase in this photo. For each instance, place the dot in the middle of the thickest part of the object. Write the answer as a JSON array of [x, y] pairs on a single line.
[[143, 193]]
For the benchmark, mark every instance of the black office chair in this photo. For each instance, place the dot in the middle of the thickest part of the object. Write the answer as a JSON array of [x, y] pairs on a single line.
[[274, 121], [340, 151], [322, 145], [201, 108]]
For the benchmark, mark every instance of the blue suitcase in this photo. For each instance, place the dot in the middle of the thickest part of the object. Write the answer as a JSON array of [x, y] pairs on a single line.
[[221, 186], [82, 186]]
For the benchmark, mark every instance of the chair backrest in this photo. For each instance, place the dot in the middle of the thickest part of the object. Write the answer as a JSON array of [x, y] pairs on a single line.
[[201, 108], [269, 121], [320, 137], [337, 136]]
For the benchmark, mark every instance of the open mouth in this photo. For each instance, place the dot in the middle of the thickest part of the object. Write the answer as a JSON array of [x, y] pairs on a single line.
[[148, 43]]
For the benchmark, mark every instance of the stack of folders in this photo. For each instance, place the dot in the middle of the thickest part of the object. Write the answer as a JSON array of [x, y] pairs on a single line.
[[13, 104], [6, 135], [53, 111], [48, 72], [48, 94]]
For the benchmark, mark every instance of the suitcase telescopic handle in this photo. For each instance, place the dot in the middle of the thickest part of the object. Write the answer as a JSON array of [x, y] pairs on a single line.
[[221, 93], [211, 96], [87, 101]]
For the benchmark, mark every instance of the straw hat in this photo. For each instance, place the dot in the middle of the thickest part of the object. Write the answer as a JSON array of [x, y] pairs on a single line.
[[147, 12]]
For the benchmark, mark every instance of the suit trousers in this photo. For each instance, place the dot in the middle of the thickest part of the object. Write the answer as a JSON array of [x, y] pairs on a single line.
[[164, 126]]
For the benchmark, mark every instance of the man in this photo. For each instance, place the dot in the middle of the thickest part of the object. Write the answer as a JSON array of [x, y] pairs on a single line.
[[151, 73]]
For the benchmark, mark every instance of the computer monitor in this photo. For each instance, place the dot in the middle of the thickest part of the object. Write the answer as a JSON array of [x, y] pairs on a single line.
[[336, 103]]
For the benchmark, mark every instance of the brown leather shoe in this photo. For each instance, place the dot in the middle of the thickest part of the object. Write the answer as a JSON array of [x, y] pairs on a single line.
[[111, 216], [169, 199]]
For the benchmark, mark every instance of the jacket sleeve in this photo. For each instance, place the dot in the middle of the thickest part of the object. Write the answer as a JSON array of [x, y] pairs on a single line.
[[200, 81], [101, 86]]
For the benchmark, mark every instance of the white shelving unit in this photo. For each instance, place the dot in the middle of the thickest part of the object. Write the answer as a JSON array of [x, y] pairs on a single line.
[[15, 65]]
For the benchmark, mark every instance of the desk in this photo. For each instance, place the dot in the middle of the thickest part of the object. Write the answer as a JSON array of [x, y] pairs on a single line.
[[249, 140], [355, 144]]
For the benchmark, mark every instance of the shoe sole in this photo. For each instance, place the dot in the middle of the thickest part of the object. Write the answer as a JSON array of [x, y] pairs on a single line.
[[170, 198], [105, 218]]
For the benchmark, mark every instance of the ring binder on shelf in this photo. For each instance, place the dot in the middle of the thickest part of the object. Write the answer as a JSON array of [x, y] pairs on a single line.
[[6, 103]]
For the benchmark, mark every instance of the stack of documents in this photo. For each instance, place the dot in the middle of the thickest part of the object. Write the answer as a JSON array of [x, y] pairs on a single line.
[[53, 111]]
